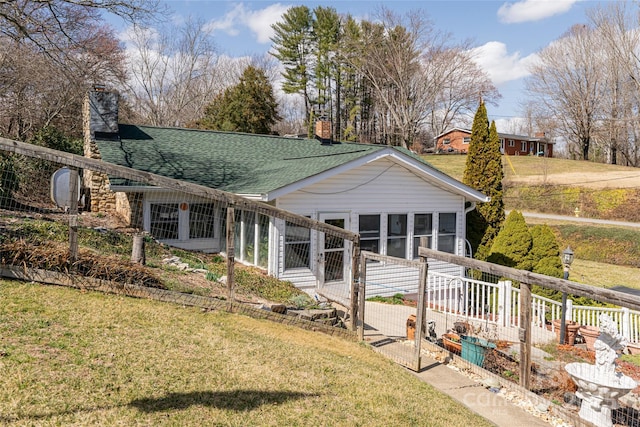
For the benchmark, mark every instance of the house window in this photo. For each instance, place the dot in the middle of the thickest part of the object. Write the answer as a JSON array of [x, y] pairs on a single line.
[[164, 221], [447, 232], [523, 146], [422, 227], [512, 143], [297, 246], [397, 235], [446, 141], [370, 233], [201, 220], [466, 140]]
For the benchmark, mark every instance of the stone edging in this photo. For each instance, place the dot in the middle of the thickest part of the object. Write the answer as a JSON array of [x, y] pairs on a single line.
[[535, 399]]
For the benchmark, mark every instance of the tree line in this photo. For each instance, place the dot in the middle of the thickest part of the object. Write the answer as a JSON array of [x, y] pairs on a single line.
[[395, 80], [585, 87], [392, 80]]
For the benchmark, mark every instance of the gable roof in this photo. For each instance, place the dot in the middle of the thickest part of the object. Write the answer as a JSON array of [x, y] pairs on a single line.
[[258, 166]]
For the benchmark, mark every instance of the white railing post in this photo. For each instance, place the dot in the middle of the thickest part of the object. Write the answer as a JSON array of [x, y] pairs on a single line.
[[626, 326], [502, 304], [508, 302], [569, 312]]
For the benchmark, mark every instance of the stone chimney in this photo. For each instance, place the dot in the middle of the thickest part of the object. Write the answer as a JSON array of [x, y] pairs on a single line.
[[323, 131], [100, 122]]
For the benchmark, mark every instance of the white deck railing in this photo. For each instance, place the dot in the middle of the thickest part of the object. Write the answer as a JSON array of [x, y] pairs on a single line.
[[499, 303]]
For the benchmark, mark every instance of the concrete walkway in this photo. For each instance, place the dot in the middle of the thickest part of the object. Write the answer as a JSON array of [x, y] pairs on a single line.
[[385, 331], [472, 394]]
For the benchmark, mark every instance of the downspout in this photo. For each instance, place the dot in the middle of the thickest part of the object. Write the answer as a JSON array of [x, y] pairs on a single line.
[[471, 207]]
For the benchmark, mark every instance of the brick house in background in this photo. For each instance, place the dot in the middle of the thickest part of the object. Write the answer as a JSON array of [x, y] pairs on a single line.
[[457, 140]]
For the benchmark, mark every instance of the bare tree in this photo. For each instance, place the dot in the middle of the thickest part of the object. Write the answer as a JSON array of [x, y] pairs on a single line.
[[457, 83], [617, 27], [30, 99], [568, 83], [59, 26], [174, 75]]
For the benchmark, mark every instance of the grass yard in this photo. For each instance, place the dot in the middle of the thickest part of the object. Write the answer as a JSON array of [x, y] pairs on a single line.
[[84, 358], [515, 167]]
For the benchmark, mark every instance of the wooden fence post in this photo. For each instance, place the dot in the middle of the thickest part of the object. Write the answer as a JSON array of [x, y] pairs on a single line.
[[355, 284], [525, 335], [73, 215], [231, 251], [362, 296], [137, 249], [421, 308]]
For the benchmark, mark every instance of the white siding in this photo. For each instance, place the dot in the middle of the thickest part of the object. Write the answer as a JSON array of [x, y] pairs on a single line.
[[380, 187]]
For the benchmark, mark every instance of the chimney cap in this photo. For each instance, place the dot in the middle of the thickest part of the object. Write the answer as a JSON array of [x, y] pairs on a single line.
[[99, 88]]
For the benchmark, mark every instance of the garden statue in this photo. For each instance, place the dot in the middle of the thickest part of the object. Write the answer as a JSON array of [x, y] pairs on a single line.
[[599, 385]]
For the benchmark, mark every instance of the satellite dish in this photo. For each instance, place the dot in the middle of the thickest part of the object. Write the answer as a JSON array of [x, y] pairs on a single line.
[[60, 188]]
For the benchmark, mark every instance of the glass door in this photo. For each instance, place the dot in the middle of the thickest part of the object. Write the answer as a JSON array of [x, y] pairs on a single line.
[[333, 251]]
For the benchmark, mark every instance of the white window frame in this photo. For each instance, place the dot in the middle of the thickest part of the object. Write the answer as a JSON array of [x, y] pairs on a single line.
[[466, 140]]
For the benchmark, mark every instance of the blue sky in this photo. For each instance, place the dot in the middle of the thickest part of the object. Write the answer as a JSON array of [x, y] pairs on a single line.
[[506, 35]]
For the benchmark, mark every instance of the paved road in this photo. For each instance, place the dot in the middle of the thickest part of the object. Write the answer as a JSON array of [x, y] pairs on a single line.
[[579, 219]]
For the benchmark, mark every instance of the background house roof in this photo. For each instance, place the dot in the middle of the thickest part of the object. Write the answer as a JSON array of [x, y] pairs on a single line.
[[500, 134], [245, 164]]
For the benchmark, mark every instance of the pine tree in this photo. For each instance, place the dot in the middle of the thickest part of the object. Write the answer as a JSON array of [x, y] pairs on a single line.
[[293, 46], [249, 106], [484, 173]]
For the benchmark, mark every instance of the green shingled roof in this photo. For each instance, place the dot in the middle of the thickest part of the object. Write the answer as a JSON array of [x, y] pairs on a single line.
[[233, 162]]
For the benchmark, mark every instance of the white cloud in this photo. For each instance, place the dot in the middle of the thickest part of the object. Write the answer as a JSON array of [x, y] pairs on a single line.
[[533, 10], [501, 66], [258, 21]]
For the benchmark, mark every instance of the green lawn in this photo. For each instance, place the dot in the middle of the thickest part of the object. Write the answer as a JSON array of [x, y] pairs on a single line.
[[83, 358], [523, 166]]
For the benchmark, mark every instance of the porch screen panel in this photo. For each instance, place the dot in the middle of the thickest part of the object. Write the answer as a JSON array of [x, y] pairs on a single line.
[[201, 221], [397, 235], [447, 232], [249, 237], [422, 227], [297, 246], [370, 233], [164, 221], [263, 240]]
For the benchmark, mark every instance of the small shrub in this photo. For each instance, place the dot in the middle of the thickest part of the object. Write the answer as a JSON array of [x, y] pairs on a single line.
[[212, 277]]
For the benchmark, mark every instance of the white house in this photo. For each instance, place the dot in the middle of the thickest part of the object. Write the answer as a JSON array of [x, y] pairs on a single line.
[[388, 195]]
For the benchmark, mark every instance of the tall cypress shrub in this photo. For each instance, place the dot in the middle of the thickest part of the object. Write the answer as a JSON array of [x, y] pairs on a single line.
[[483, 172]]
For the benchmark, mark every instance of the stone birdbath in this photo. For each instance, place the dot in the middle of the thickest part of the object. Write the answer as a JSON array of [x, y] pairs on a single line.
[[599, 385]]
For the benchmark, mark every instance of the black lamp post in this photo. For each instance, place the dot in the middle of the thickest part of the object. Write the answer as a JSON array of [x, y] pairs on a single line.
[[567, 259]]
